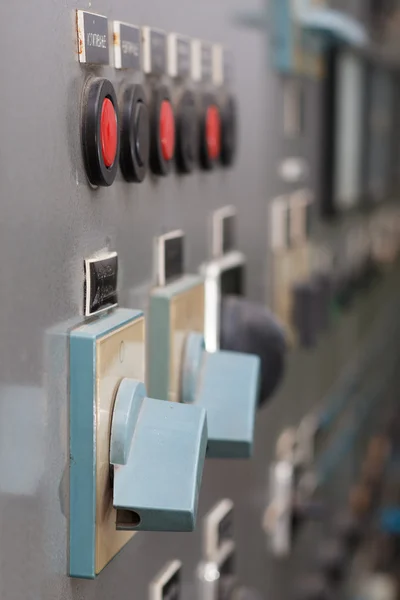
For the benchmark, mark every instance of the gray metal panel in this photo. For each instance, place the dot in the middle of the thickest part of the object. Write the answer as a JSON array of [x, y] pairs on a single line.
[[51, 220]]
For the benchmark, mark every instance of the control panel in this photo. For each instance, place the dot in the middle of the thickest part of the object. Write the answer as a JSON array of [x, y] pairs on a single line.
[[275, 278]]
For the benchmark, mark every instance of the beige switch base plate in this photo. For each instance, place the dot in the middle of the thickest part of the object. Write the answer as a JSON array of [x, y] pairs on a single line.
[[186, 314], [175, 310], [119, 354]]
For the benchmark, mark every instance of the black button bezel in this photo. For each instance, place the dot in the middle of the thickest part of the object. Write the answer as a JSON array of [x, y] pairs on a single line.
[[187, 109], [228, 132], [96, 90], [132, 170]]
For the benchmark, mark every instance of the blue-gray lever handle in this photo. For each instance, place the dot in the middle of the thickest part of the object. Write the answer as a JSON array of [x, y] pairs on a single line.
[[157, 450], [226, 385]]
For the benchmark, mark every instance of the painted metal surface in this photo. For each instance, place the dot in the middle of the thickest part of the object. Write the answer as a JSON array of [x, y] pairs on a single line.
[[51, 219]]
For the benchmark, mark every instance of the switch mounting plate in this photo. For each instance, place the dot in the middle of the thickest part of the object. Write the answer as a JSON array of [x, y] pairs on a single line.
[[102, 353], [175, 310]]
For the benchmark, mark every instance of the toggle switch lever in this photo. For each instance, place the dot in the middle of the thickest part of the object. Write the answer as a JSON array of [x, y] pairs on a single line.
[[226, 384], [252, 329], [157, 450]]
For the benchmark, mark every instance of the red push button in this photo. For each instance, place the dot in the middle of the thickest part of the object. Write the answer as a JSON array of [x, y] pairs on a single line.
[[108, 132], [100, 131], [162, 131], [167, 130], [213, 132]]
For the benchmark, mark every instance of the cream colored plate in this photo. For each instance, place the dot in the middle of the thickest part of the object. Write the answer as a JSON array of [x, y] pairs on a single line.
[[186, 314], [119, 354]]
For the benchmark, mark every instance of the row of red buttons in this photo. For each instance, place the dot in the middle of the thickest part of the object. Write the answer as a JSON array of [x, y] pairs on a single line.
[[109, 131], [151, 137]]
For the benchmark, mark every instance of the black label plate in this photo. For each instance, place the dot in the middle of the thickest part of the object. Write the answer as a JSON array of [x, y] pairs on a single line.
[[183, 57], [206, 59], [173, 258], [228, 233], [93, 42], [170, 257], [127, 46], [155, 51], [101, 276], [179, 56]]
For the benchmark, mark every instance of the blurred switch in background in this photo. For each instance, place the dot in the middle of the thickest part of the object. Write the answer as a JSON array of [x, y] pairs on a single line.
[[226, 384], [231, 321], [251, 328]]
